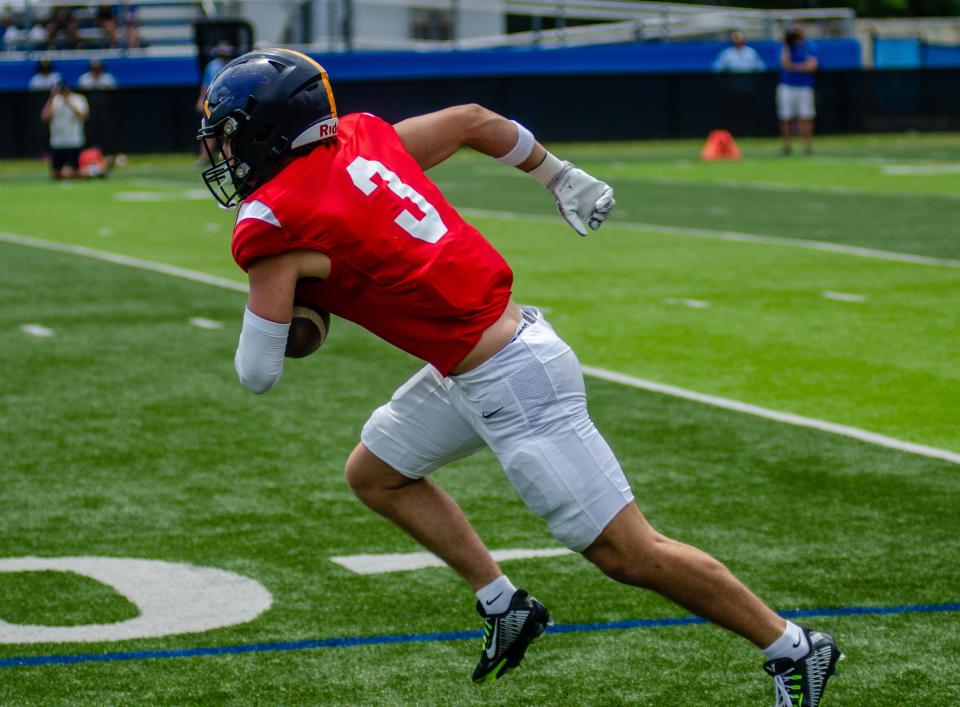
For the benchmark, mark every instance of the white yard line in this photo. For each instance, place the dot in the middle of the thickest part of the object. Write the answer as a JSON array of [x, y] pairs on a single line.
[[712, 234], [725, 403], [123, 260], [184, 195], [784, 417], [782, 187], [735, 236], [923, 170], [406, 561], [493, 170]]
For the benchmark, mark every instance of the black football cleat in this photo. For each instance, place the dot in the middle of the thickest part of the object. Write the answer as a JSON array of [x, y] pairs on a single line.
[[800, 683], [507, 635]]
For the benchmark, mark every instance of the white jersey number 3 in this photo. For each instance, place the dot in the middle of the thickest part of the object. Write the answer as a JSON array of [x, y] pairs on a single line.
[[430, 228]]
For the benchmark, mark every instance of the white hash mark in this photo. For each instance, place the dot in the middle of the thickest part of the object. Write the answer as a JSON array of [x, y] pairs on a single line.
[[686, 302], [844, 296], [37, 330], [206, 323]]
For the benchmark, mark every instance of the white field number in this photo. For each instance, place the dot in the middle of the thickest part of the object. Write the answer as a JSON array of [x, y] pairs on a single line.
[[430, 228], [170, 597]]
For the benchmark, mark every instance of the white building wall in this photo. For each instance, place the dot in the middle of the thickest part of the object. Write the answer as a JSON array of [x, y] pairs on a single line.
[[269, 19], [481, 22]]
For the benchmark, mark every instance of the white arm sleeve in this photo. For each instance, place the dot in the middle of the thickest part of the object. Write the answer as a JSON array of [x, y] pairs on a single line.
[[259, 359]]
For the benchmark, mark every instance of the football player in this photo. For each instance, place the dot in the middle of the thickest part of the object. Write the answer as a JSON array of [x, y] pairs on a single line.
[[337, 212]]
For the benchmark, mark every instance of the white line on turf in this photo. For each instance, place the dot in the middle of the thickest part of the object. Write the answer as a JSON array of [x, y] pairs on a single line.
[[37, 330], [189, 194], [171, 598], [923, 170], [781, 187], [202, 323], [686, 302], [736, 236], [739, 184], [405, 561], [123, 260], [784, 417], [843, 296], [613, 376]]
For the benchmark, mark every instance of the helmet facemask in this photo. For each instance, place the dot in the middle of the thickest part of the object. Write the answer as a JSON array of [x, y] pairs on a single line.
[[228, 178]]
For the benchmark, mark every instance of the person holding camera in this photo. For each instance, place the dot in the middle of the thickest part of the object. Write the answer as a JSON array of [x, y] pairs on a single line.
[[66, 112], [795, 98]]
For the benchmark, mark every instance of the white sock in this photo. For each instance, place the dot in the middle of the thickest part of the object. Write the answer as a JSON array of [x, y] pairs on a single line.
[[792, 644], [496, 596]]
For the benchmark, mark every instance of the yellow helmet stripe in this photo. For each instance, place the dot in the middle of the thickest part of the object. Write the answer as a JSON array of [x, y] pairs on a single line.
[[323, 76]]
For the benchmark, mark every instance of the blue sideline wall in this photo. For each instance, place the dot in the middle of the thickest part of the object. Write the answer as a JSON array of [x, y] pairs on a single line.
[[562, 94], [577, 107], [637, 57]]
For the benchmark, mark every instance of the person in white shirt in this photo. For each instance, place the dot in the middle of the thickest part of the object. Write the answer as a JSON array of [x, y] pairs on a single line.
[[45, 78], [739, 58], [96, 77], [66, 112]]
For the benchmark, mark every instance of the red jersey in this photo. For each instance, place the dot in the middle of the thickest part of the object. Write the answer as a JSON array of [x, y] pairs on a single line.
[[404, 264]]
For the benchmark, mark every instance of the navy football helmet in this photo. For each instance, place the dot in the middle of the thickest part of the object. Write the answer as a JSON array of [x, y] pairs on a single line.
[[259, 109]]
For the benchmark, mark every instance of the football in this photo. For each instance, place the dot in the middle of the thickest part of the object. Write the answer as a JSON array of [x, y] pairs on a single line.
[[308, 330]]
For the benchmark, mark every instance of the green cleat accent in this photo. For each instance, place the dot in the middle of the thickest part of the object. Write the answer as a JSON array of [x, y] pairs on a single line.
[[494, 674]]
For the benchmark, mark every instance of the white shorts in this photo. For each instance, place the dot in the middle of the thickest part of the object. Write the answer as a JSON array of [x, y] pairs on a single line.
[[795, 102], [528, 405]]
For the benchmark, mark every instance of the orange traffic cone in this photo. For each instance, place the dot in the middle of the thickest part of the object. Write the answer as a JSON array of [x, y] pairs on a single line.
[[720, 145]]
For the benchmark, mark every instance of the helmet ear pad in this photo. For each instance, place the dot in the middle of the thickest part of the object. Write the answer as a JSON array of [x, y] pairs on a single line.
[[262, 143]]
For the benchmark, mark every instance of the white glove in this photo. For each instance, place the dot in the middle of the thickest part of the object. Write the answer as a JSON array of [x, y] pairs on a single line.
[[581, 198]]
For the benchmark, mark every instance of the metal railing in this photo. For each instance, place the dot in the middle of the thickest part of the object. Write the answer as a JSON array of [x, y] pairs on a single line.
[[553, 22]]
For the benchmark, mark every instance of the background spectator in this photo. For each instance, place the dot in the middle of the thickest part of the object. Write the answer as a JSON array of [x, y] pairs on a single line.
[[96, 77], [131, 26], [66, 112], [63, 30], [795, 97], [106, 21], [222, 53], [45, 78], [739, 58]]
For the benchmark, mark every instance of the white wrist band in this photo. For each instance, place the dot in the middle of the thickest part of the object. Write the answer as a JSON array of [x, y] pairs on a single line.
[[546, 170], [521, 151]]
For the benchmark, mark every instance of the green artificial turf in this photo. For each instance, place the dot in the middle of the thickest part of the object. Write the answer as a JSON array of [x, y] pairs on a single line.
[[59, 599], [126, 435], [140, 443]]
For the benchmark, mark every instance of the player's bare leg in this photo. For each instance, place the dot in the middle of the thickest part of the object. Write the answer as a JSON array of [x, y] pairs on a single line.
[[512, 617], [629, 550], [423, 510]]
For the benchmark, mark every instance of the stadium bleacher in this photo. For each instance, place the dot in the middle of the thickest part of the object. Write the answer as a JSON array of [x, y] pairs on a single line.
[[662, 66]]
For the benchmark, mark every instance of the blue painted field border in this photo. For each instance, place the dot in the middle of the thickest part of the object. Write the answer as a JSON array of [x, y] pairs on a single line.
[[386, 639]]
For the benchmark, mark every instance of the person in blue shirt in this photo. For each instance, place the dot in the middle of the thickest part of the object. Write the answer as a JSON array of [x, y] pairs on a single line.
[[738, 58], [795, 98], [222, 53]]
